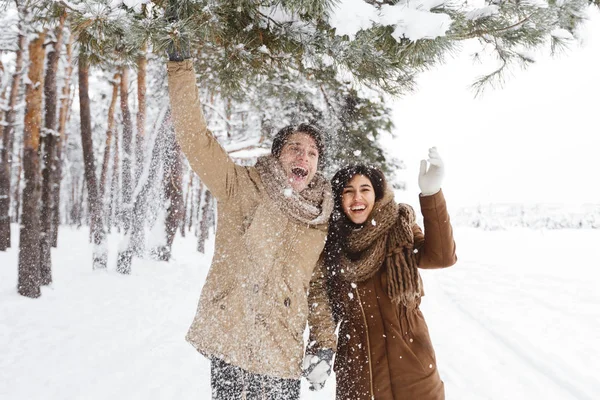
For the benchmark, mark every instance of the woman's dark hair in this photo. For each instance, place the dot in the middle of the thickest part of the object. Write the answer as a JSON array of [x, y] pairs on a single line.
[[339, 225]]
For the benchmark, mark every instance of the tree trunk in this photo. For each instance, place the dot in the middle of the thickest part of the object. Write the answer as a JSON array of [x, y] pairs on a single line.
[[29, 240], [126, 183], [192, 203], [17, 191], [64, 112], [73, 209], [3, 94], [7, 148], [189, 199], [198, 215], [49, 154], [95, 210], [141, 114], [205, 222], [173, 192], [114, 208], [109, 136], [78, 196]]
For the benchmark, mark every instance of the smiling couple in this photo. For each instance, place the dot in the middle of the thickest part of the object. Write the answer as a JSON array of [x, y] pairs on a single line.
[[273, 271]]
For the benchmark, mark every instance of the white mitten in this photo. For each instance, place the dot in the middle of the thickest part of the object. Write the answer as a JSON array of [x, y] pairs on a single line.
[[430, 180], [317, 368]]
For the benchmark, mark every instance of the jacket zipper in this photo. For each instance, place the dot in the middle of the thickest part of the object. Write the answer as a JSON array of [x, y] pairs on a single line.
[[368, 342]]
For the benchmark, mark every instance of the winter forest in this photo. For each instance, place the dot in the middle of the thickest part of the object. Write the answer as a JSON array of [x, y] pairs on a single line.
[[88, 157]]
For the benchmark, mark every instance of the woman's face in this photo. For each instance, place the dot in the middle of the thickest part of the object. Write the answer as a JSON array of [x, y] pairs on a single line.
[[358, 199]]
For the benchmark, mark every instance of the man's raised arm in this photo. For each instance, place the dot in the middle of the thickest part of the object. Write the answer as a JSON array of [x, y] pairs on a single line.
[[206, 156]]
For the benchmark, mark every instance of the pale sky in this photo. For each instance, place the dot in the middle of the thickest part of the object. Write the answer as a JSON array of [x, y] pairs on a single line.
[[535, 140]]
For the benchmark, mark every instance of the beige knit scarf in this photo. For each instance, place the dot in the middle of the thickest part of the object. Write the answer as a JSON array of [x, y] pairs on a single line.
[[386, 237], [312, 206]]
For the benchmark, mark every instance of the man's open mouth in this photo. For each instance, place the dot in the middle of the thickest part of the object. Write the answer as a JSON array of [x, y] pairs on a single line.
[[299, 172]]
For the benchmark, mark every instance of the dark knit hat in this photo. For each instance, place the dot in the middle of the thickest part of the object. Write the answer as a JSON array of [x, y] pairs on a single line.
[[311, 130]]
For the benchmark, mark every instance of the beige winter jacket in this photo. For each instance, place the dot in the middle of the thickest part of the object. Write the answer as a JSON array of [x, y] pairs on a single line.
[[253, 307]]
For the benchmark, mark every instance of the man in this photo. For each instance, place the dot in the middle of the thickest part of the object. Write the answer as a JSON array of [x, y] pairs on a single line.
[[272, 224]]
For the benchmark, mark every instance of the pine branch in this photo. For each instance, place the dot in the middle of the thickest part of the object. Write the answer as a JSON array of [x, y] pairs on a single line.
[[489, 32]]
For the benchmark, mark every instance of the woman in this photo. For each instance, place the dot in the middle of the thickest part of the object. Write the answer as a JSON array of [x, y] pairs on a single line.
[[373, 250]]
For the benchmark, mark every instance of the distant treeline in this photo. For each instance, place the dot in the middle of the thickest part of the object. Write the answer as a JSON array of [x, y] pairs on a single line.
[[538, 216]]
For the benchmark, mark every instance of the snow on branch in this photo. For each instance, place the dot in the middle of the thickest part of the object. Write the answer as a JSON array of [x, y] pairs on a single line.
[[412, 20]]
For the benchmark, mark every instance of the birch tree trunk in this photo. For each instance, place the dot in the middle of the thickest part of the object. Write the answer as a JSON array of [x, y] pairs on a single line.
[[94, 206], [7, 148], [29, 236], [48, 142]]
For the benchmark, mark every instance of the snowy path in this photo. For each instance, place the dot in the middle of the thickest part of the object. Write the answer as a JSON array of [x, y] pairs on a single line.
[[516, 318]]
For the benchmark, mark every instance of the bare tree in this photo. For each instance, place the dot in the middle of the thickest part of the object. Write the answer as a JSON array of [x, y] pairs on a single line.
[[29, 236], [172, 181], [61, 140], [95, 207], [17, 189], [205, 221], [48, 143], [142, 62], [7, 147], [109, 135], [189, 199], [198, 215], [77, 197], [114, 205], [126, 183]]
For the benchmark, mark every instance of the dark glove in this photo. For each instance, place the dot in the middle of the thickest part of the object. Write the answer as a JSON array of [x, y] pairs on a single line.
[[178, 48], [317, 368]]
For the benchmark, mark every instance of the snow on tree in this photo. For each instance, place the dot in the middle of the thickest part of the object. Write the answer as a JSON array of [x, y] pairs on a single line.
[[261, 66]]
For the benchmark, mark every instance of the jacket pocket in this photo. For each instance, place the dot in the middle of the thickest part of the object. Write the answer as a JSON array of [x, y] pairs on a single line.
[[420, 342]]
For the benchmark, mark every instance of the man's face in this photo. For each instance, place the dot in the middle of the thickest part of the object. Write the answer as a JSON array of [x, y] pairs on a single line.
[[299, 158]]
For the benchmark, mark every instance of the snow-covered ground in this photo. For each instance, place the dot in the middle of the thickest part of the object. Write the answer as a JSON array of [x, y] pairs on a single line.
[[517, 318]]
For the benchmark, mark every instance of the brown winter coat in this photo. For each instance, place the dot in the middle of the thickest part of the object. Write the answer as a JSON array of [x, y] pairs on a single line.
[[384, 351], [253, 307]]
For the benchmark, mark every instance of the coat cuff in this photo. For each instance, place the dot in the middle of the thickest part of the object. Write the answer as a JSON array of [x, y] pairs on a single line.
[[432, 202]]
